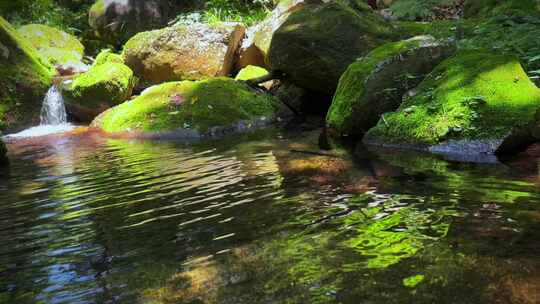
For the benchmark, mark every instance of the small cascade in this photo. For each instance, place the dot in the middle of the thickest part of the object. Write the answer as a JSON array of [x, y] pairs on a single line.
[[53, 110], [53, 117]]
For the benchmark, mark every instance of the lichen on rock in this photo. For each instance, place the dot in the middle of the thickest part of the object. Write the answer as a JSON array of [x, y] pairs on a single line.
[[61, 49], [375, 84], [190, 109], [474, 103]]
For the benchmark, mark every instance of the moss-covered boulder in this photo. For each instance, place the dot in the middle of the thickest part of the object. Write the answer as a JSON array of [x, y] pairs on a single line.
[[191, 109], [474, 103], [183, 52], [25, 77], [487, 8], [64, 51], [317, 42], [107, 56], [251, 72], [103, 86], [115, 21], [375, 84]]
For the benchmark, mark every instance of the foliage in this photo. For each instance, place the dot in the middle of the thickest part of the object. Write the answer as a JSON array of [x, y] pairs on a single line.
[[417, 9]]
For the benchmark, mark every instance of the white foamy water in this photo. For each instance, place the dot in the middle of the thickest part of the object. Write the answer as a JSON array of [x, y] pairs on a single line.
[[53, 117]]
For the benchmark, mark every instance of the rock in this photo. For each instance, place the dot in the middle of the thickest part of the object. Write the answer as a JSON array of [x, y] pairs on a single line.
[[108, 56], [64, 51], [251, 72], [25, 77], [488, 8], [317, 42], [184, 52], [375, 84], [191, 109], [292, 96], [3, 152], [474, 103], [103, 86], [115, 21]]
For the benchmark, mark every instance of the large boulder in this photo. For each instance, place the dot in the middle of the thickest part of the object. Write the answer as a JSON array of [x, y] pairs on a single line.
[[184, 52], [191, 109], [474, 103], [375, 84], [318, 41], [25, 77], [64, 51], [115, 21], [103, 86]]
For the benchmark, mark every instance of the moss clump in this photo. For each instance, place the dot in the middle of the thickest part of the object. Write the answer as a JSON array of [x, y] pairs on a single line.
[[58, 47], [376, 83], [474, 96], [487, 8], [109, 83], [25, 77], [192, 105], [317, 42], [251, 72], [107, 56]]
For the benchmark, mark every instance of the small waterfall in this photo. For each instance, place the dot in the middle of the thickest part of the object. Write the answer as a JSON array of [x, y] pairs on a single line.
[[53, 110], [53, 117]]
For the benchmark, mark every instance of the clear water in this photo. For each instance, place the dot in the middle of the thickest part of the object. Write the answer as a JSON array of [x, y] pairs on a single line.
[[265, 218]]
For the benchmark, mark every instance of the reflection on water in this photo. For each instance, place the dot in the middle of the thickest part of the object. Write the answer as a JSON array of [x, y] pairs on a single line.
[[267, 218]]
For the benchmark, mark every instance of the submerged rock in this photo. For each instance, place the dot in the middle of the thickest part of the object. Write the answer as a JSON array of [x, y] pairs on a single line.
[[191, 109], [318, 41], [474, 103], [64, 51], [375, 84], [103, 86], [115, 21], [184, 52], [25, 77]]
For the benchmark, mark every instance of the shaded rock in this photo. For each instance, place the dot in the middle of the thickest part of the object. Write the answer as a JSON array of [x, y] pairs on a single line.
[[291, 95], [103, 86], [317, 42], [115, 21], [63, 51], [191, 109], [25, 77], [184, 52], [107, 56], [3, 152], [375, 84], [474, 103]]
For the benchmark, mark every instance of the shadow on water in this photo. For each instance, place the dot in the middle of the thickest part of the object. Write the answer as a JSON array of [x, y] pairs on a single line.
[[263, 218]]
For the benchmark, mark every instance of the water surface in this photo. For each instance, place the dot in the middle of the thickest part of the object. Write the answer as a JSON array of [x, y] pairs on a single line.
[[263, 218]]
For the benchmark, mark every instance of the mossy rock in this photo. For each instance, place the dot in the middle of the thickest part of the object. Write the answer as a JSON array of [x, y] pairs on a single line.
[[61, 49], [106, 56], [488, 8], [251, 72], [179, 53], [190, 109], [375, 84], [474, 103], [317, 42], [25, 77], [102, 87]]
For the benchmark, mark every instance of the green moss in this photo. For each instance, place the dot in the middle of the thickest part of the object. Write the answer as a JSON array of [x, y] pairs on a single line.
[[376, 83], [98, 8], [107, 56], [487, 8], [251, 72], [25, 77], [475, 95], [197, 105], [56, 46], [413, 280], [109, 83]]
